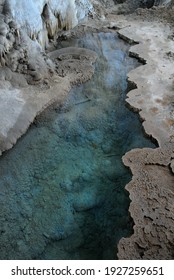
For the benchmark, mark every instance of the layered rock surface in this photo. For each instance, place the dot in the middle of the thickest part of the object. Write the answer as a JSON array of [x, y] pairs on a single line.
[[152, 187]]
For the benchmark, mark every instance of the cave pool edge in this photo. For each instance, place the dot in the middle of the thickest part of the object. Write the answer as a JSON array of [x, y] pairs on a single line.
[[63, 184]]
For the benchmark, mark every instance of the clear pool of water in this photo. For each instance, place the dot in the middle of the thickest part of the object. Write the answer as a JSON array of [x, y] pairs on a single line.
[[62, 190]]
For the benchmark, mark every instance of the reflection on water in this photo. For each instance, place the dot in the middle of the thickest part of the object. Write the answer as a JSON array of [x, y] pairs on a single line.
[[62, 186]]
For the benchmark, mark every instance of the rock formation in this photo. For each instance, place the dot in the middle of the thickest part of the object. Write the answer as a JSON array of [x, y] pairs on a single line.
[[29, 79], [129, 6], [151, 189], [43, 19], [26, 30]]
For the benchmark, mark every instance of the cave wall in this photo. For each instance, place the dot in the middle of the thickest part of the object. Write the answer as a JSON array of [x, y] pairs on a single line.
[[171, 3], [32, 24], [129, 6], [43, 18]]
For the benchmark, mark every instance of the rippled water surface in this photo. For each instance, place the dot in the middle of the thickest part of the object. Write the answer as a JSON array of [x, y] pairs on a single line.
[[62, 186]]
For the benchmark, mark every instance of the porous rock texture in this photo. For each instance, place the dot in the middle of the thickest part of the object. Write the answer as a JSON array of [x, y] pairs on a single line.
[[30, 80], [152, 186]]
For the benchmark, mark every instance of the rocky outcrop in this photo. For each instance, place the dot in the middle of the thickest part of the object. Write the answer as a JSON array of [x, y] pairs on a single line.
[[20, 103], [41, 20], [26, 30], [34, 23], [129, 6], [152, 186], [152, 193]]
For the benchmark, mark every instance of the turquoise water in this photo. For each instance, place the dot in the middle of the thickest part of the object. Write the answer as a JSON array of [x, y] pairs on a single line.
[[62, 190]]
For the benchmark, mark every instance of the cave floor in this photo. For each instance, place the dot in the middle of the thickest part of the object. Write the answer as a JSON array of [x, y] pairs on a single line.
[[152, 186]]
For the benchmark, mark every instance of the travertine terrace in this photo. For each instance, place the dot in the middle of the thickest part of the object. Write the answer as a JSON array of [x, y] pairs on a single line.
[[30, 81]]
